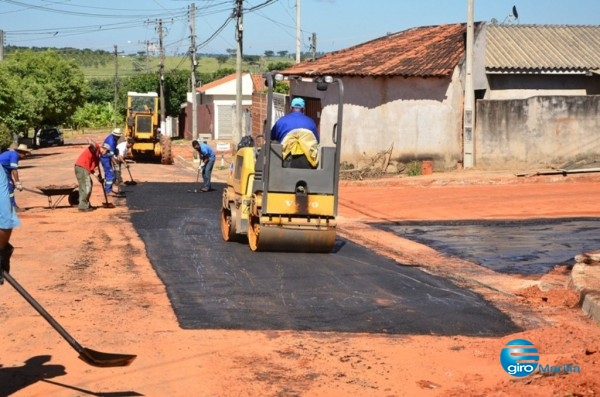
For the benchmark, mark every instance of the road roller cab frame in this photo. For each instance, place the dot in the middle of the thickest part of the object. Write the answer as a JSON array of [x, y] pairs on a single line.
[[286, 209]]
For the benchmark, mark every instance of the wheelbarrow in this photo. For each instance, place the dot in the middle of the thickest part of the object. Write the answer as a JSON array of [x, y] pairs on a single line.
[[59, 192]]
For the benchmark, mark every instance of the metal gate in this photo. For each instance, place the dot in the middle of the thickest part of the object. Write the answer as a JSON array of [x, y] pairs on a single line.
[[225, 121]]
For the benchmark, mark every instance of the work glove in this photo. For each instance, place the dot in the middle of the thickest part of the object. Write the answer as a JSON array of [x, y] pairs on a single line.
[[19, 186], [201, 168]]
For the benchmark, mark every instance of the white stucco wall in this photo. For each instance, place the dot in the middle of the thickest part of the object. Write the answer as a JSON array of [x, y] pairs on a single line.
[[420, 117]]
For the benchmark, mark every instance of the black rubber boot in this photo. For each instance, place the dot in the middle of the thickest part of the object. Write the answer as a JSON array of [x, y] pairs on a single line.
[[5, 255]]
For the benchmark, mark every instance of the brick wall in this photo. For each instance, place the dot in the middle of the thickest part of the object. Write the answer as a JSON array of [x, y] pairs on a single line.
[[259, 113]]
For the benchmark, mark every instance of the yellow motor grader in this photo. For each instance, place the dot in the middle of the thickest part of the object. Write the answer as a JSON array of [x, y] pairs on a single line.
[[143, 127], [279, 208]]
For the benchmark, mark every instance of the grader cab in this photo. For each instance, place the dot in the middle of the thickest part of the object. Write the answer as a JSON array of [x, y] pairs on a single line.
[[143, 126]]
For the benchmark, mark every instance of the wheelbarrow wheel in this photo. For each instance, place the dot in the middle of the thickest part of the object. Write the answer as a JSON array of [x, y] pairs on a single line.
[[74, 197]]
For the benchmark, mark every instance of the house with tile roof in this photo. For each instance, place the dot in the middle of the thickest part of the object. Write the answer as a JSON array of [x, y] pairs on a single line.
[[407, 89], [538, 90], [216, 103], [403, 89]]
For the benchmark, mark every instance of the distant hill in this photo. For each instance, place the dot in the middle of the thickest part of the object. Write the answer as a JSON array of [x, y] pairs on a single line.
[[103, 64]]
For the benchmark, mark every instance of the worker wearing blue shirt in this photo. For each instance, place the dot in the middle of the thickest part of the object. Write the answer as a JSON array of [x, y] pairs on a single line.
[[10, 162], [113, 139], [299, 136], [207, 161], [292, 121]]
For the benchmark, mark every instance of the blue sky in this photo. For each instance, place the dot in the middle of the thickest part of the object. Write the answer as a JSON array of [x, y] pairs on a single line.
[[338, 24]]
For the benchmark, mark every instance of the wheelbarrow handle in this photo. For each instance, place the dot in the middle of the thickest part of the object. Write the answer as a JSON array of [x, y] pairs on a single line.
[[33, 191]]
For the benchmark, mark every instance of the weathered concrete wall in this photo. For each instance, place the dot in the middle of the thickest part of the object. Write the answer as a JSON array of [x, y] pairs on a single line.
[[420, 117], [522, 86], [540, 131]]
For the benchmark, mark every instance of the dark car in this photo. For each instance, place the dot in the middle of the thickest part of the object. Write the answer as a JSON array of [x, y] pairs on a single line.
[[49, 137]]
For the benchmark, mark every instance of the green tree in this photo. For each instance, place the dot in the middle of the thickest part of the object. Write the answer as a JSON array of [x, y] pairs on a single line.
[[222, 73], [251, 59], [269, 53], [5, 137], [222, 59], [94, 115], [278, 66], [177, 85], [101, 91], [50, 88], [20, 106], [8, 92]]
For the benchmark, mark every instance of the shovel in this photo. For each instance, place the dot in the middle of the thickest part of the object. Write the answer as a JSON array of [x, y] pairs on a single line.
[[89, 356], [131, 182], [105, 204]]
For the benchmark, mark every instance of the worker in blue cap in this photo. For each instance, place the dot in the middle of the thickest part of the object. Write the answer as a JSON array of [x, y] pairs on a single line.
[[299, 136], [293, 120]]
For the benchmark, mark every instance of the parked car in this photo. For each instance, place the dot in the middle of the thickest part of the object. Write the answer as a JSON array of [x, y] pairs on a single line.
[[49, 137]]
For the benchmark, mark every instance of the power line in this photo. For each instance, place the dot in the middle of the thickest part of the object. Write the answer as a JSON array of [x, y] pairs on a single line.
[[127, 19], [85, 14]]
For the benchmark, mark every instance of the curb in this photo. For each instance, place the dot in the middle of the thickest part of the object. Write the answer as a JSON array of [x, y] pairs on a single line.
[[585, 280]]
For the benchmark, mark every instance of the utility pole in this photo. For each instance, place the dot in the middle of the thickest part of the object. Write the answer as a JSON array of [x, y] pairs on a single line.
[[116, 85], [297, 31], [237, 131], [313, 46], [1, 45], [162, 76], [147, 42], [469, 105], [194, 65]]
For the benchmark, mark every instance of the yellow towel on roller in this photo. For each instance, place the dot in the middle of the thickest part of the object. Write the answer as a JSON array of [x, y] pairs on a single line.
[[301, 141]]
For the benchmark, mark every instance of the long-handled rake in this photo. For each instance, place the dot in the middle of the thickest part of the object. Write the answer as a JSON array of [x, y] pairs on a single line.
[[89, 356], [196, 185], [131, 181]]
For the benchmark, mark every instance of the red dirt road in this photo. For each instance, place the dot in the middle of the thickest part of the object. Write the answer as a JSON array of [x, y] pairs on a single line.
[[90, 271]]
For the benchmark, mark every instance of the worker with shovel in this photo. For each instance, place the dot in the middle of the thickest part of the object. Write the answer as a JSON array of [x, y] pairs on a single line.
[[86, 165], [113, 139], [207, 161], [8, 221], [122, 150], [10, 162], [107, 159]]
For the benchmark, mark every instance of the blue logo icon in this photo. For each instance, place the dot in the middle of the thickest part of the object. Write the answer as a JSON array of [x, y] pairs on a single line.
[[519, 358]]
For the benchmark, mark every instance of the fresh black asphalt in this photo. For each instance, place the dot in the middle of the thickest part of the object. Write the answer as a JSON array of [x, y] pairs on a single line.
[[531, 246], [213, 284]]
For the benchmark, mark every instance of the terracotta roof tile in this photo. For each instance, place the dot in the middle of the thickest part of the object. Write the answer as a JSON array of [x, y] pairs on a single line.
[[428, 51], [258, 81], [216, 83]]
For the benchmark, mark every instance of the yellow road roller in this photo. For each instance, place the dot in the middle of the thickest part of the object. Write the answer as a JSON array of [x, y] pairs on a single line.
[[277, 207]]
